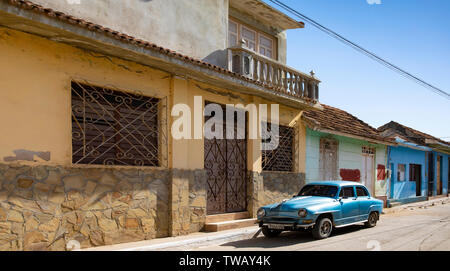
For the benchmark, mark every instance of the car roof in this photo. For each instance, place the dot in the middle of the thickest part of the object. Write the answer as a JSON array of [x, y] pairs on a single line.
[[335, 183]]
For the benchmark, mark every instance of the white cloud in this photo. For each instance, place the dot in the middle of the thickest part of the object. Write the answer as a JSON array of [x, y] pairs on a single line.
[[371, 2]]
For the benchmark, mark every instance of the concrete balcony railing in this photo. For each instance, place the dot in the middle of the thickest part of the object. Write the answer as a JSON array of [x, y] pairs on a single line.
[[272, 74]]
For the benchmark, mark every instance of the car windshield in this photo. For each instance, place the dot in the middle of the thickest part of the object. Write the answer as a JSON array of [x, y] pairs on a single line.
[[319, 191]]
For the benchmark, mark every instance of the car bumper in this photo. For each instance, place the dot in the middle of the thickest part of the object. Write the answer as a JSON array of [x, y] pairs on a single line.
[[286, 225]]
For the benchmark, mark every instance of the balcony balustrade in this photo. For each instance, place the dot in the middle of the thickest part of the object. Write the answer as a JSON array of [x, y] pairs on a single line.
[[272, 74]]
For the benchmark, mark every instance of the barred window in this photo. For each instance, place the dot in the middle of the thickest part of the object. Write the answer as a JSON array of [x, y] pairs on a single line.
[[281, 158], [368, 150], [111, 127]]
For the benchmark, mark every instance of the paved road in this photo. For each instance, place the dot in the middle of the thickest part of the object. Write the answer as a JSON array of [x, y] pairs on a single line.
[[418, 229]]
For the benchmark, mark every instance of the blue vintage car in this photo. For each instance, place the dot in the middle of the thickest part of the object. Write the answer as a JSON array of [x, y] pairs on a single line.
[[321, 206]]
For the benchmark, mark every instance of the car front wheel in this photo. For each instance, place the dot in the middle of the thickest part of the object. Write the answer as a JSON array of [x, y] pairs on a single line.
[[372, 221], [322, 229], [270, 233]]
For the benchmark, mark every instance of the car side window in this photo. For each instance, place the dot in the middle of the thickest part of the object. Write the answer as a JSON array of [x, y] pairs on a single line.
[[361, 192], [347, 192]]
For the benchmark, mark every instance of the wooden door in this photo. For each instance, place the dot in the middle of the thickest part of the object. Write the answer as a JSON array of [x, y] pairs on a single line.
[[418, 177], [439, 175], [367, 172], [430, 174], [226, 172], [328, 159]]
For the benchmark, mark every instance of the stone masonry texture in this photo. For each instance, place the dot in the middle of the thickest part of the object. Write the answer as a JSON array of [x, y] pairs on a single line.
[[49, 207], [281, 185], [44, 208]]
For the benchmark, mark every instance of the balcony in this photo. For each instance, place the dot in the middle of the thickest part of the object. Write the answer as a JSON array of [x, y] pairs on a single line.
[[272, 74]]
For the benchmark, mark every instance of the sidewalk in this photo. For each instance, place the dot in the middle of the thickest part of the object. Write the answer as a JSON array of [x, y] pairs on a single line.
[[202, 239], [185, 242], [415, 205]]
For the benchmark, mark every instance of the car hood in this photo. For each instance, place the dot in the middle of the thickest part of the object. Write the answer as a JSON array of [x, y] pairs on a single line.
[[299, 202]]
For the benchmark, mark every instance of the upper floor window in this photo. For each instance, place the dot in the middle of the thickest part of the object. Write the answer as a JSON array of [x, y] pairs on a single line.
[[254, 40]]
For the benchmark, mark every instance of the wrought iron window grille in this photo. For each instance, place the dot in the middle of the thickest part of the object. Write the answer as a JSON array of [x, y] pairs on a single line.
[[111, 127], [281, 158]]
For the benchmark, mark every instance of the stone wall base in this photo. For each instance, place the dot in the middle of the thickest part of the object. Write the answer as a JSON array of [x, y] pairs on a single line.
[[52, 207], [47, 208], [271, 187]]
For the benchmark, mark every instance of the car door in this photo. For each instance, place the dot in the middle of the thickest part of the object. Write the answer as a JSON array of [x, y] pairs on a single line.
[[364, 201], [349, 205]]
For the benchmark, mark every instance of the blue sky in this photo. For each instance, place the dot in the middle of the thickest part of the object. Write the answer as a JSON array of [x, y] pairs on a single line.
[[412, 34]]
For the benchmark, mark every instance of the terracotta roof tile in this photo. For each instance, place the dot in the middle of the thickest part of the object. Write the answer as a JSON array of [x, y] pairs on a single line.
[[410, 134], [25, 4], [334, 119]]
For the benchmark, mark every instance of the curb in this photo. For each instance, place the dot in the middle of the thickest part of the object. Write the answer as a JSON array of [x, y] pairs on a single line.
[[198, 242], [415, 205], [186, 244]]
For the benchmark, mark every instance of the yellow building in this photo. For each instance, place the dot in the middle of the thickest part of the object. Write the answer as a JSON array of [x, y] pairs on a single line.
[[86, 148]]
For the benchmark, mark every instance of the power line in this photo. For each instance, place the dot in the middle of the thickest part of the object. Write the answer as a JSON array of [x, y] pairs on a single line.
[[362, 50]]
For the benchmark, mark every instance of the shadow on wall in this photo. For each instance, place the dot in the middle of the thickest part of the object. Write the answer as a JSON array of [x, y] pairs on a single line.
[[218, 58]]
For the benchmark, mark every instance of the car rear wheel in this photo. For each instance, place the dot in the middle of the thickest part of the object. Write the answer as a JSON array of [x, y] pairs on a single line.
[[322, 229], [372, 221], [270, 233]]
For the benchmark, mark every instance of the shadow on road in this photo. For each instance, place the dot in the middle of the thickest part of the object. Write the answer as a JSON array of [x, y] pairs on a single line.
[[287, 239]]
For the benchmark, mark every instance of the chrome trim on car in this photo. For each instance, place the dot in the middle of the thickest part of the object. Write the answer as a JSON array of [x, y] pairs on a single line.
[[345, 225], [291, 225]]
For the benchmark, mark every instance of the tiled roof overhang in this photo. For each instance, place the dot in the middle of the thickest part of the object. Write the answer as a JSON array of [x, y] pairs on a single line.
[[59, 27], [414, 136], [438, 146], [339, 122]]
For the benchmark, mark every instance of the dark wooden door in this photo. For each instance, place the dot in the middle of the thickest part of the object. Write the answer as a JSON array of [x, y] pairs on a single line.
[[439, 175], [430, 174], [226, 170]]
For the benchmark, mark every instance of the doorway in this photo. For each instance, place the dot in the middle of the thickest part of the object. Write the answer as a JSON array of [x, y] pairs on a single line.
[[328, 159], [226, 171], [430, 174], [439, 175], [415, 175], [367, 174]]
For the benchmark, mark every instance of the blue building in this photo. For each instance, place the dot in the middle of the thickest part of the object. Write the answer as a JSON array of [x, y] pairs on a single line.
[[419, 164]]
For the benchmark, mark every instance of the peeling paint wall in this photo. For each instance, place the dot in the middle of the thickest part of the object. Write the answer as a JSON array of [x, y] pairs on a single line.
[[197, 28], [35, 102], [35, 84], [35, 107], [406, 156], [349, 159], [401, 155]]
